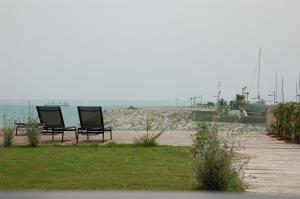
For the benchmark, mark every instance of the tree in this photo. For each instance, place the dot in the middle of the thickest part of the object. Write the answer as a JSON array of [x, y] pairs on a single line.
[[222, 102], [239, 103], [210, 104]]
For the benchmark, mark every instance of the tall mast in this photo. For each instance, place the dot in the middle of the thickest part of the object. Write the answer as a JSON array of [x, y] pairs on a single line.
[[259, 57], [299, 89], [296, 91], [176, 101], [276, 89], [282, 91], [201, 99], [219, 92]]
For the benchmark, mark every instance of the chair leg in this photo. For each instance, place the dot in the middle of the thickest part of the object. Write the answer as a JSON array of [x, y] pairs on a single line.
[[77, 137], [87, 136], [110, 134], [52, 136], [16, 131], [62, 137], [103, 137]]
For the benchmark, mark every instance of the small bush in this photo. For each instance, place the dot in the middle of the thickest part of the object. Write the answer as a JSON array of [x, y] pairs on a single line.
[[153, 128], [132, 107], [33, 132], [215, 163], [7, 131], [147, 140]]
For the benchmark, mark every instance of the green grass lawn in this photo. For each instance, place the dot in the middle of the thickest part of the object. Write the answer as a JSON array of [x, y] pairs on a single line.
[[115, 167]]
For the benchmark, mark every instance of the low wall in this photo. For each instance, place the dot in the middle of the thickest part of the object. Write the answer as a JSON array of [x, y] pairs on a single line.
[[208, 116], [202, 115]]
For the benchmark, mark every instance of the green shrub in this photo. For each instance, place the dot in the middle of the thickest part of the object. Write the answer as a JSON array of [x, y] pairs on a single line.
[[287, 120], [153, 130], [132, 107], [33, 132], [147, 139], [8, 129], [216, 165]]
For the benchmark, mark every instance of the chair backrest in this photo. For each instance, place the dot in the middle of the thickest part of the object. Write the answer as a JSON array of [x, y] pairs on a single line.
[[50, 116], [90, 116]]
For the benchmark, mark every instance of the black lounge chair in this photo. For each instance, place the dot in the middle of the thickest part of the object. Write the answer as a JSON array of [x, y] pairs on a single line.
[[22, 125], [91, 122], [52, 121]]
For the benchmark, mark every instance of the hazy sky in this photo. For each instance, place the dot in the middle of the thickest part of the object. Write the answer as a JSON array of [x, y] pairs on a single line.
[[146, 49]]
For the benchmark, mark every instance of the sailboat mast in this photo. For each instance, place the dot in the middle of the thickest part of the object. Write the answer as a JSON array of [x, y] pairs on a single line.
[[296, 91], [258, 79], [282, 91], [276, 85], [219, 92], [299, 88]]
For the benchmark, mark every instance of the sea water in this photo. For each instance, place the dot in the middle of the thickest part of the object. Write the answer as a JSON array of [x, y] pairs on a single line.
[[19, 110]]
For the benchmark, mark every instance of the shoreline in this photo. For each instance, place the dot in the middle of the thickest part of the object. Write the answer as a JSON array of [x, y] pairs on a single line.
[[129, 118], [165, 118]]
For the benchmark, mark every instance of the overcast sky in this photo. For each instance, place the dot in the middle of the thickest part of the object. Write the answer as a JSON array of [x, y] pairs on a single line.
[[146, 49]]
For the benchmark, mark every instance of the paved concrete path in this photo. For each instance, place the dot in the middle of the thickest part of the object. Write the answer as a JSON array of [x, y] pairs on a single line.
[[274, 166], [132, 195]]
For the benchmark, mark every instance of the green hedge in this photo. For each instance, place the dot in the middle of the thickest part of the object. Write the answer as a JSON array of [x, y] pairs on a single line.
[[287, 121]]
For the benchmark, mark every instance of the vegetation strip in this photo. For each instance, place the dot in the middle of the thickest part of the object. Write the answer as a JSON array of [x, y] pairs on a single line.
[[287, 121]]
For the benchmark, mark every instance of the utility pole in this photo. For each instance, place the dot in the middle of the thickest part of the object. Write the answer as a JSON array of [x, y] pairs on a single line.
[[194, 103], [299, 88], [282, 91], [247, 97], [274, 97], [276, 87], [244, 91], [258, 91], [194, 100], [201, 99], [296, 91], [191, 98], [245, 94], [219, 92], [176, 101]]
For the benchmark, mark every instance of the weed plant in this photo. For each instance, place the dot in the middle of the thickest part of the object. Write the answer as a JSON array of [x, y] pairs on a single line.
[[8, 128], [33, 131], [153, 128]]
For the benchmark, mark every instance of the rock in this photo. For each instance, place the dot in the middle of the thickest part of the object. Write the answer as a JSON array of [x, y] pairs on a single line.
[[124, 118]]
